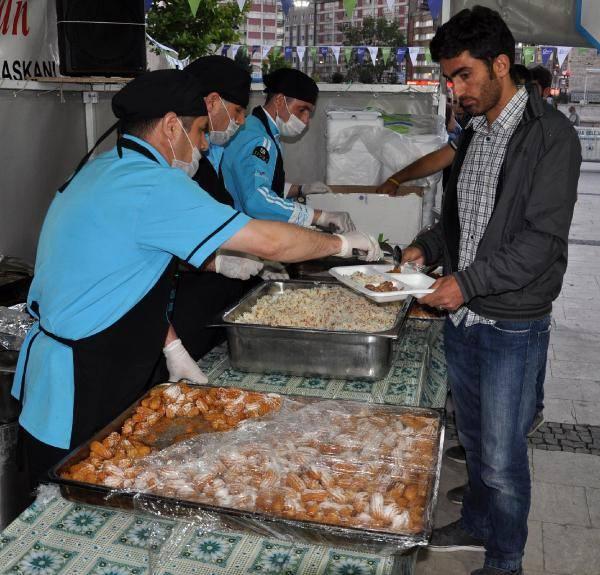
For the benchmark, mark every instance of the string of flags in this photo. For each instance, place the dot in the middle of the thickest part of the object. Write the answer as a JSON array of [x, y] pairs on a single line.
[[548, 52], [386, 53], [435, 6]]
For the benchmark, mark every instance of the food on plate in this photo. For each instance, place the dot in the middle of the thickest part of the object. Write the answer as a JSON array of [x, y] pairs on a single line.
[[395, 270], [331, 308], [374, 282], [179, 406], [385, 286], [364, 279]]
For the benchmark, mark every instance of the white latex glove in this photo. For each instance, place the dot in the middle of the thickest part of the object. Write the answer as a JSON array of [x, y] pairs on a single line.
[[181, 365], [338, 222], [367, 246], [274, 271], [315, 188], [237, 267]]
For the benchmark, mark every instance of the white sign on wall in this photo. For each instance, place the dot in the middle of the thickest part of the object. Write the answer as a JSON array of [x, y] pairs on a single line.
[[28, 39]]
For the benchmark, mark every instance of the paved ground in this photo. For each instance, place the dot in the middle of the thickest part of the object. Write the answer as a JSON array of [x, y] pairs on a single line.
[[564, 522]]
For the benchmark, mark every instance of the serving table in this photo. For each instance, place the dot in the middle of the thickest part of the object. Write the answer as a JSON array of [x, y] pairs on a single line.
[[56, 536]]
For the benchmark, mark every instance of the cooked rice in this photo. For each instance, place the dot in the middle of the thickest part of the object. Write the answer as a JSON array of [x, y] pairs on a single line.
[[328, 308], [364, 279]]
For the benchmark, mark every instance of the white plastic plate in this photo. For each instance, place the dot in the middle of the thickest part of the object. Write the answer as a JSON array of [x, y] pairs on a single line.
[[416, 283]]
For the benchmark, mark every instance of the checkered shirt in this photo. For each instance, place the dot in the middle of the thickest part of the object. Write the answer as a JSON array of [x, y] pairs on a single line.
[[477, 184]]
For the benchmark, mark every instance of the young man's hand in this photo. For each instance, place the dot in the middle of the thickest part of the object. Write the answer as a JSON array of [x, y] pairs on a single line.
[[447, 294], [414, 255]]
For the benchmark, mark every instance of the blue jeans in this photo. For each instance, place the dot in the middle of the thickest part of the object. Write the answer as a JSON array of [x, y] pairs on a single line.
[[493, 372]]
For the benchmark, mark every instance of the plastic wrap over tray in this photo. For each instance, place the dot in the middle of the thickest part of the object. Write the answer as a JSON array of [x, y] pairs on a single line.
[[329, 472]]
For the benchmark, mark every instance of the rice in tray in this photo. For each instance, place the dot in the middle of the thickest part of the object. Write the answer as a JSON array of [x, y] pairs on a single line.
[[328, 308]]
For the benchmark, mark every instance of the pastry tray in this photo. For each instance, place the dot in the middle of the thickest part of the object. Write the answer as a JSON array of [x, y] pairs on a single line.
[[257, 522]]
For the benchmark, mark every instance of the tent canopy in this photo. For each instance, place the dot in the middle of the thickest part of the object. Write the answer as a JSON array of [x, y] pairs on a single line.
[[542, 22]]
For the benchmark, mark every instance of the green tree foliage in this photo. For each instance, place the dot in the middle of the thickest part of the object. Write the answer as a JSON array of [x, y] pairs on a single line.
[[243, 60], [171, 22], [373, 32], [274, 61]]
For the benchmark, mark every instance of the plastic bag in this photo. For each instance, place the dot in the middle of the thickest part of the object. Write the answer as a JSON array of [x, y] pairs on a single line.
[[388, 153]]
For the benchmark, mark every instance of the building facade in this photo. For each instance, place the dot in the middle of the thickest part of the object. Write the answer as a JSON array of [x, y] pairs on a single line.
[[264, 26], [420, 31], [322, 23]]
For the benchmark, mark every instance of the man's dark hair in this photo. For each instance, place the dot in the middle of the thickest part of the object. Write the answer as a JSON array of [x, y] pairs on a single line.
[[520, 74], [142, 128], [542, 76], [480, 31], [138, 128]]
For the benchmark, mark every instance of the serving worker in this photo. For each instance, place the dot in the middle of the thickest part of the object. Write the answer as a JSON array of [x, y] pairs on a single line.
[[105, 260], [253, 165], [202, 294], [226, 87]]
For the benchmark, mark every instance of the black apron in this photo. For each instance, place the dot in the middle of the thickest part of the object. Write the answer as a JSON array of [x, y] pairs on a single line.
[[212, 182], [113, 368], [278, 183], [201, 295]]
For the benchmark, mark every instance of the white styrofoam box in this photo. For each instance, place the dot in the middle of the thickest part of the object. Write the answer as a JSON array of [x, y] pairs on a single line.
[[399, 219], [341, 166]]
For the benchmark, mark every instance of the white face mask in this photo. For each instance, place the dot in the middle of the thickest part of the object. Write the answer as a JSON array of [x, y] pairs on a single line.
[[293, 127], [190, 168], [221, 137]]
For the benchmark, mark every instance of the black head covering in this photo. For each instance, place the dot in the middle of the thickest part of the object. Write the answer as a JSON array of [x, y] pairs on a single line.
[[153, 94], [149, 96], [222, 75], [291, 83]]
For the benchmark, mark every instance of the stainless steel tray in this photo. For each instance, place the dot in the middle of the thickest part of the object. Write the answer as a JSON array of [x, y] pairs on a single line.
[[304, 352], [257, 522]]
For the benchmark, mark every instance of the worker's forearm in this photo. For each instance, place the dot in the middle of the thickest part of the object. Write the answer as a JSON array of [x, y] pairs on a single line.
[[303, 244], [425, 166], [283, 242]]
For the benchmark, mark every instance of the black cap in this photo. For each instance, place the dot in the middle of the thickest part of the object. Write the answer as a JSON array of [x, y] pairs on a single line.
[[222, 75], [291, 83], [154, 94]]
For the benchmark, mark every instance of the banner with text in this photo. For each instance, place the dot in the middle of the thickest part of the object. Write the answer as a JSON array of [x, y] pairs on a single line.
[[28, 39]]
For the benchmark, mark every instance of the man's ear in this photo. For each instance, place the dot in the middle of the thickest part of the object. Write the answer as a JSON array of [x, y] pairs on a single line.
[[211, 100], [280, 100], [170, 126], [501, 66]]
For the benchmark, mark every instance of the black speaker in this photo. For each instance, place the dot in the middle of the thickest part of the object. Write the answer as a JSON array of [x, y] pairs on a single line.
[[101, 37]]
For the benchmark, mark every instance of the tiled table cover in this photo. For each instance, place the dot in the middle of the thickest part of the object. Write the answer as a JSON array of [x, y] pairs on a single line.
[[55, 536]]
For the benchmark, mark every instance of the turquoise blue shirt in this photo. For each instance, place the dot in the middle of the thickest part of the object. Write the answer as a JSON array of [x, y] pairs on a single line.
[[248, 166], [105, 242], [215, 156]]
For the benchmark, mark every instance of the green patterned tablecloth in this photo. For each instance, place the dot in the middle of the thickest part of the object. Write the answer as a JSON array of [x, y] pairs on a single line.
[[58, 537]]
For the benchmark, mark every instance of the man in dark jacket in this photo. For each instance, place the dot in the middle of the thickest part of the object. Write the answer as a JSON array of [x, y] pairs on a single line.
[[502, 237]]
